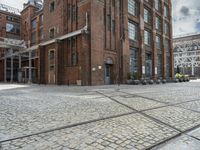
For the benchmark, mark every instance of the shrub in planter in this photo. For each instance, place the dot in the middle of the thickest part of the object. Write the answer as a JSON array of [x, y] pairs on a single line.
[[129, 79], [180, 80], [144, 82], [164, 81], [157, 81], [176, 80], [182, 77], [136, 82], [151, 82]]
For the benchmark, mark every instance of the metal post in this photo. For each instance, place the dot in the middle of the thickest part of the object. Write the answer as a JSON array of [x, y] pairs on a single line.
[[11, 61], [30, 70], [20, 61], [5, 70], [20, 70], [192, 69]]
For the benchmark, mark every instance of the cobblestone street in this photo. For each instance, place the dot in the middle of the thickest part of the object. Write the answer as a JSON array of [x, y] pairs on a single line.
[[158, 117]]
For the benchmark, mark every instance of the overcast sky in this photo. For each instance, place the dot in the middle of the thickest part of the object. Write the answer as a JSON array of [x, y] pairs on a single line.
[[186, 14]]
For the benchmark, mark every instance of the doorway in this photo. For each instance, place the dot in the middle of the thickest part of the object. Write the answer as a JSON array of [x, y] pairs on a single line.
[[51, 66]]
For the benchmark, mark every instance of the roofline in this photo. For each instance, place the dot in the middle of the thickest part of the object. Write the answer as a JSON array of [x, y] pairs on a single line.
[[10, 13]]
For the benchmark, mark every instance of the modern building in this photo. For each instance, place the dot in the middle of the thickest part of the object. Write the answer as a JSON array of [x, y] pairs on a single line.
[[95, 42], [187, 54]]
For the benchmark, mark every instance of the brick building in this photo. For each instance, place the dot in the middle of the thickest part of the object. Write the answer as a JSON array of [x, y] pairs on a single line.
[[95, 42], [9, 28]]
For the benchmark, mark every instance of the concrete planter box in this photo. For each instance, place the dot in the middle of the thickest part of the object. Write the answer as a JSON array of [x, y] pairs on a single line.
[[157, 81], [144, 82], [164, 81], [136, 82], [151, 82], [129, 82], [79, 82]]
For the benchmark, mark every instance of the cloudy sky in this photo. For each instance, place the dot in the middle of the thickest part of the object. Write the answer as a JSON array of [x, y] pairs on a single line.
[[186, 14]]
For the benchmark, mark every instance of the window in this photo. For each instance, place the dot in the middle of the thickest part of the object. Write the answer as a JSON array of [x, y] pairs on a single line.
[[146, 15], [168, 68], [148, 66], [158, 23], [41, 19], [132, 31], [133, 7], [158, 42], [158, 5], [113, 26], [51, 55], [33, 37], [166, 11], [159, 67], [166, 28], [134, 60], [52, 6], [109, 22], [167, 45], [74, 58], [12, 28], [41, 33], [52, 33], [74, 12], [69, 10], [147, 37], [33, 24]]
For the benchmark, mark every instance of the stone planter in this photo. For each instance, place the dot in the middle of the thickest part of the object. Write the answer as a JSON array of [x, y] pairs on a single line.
[[136, 82], [79, 82], [129, 82], [157, 81], [144, 82], [180, 80], [151, 82], [164, 81], [176, 80]]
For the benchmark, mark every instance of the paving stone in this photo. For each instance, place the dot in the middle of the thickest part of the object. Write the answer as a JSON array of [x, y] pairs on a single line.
[[195, 105], [179, 118], [35, 112], [138, 103], [126, 125], [181, 143]]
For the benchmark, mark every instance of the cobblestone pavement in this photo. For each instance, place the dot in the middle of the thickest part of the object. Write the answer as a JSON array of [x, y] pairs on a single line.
[[181, 143], [101, 117]]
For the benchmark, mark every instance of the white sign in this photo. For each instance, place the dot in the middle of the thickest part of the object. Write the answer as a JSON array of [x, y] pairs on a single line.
[[93, 69], [100, 67], [143, 69], [14, 42], [156, 70]]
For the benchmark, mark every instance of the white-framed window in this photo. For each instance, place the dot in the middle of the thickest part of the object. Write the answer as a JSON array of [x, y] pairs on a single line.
[[166, 11], [158, 42], [133, 7], [132, 31], [52, 32], [147, 37], [158, 5], [158, 23], [146, 15]]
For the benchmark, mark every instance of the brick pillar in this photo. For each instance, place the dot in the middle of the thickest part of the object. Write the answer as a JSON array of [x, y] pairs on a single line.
[[41, 65], [59, 62], [85, 60], [141, 41], [154, 48], [171, 41]]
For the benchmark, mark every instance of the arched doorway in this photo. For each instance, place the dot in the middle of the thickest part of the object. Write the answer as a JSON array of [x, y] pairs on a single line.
[[108, 71]]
